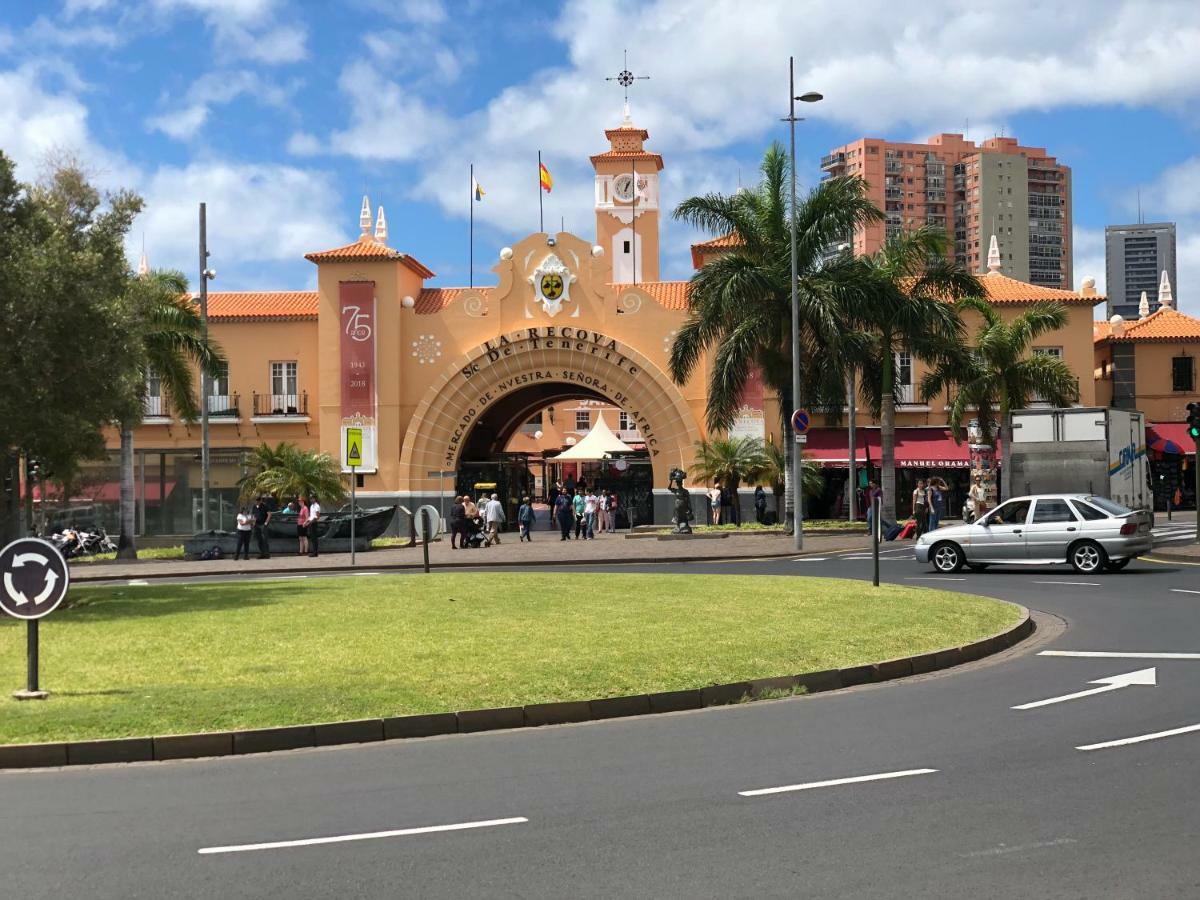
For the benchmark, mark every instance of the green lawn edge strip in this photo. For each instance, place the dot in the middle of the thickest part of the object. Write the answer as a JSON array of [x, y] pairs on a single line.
[[325, 734]]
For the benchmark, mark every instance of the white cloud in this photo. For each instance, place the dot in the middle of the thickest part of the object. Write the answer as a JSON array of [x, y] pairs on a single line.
[[1087, 252], [43, 33], [72, 8], [181, 124], [35, 121], [274, 46], [1176, 191], [211, 90], [301, 143], [388, 122], [246, 29], [230, 10]]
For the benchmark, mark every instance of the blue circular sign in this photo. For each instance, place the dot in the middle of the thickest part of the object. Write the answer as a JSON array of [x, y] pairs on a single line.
[[800, 421]]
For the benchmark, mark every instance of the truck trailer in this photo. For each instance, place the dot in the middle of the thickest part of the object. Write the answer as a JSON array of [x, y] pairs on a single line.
[[1090, 450]]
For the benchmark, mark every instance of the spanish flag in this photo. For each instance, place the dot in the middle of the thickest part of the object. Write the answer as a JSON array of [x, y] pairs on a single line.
[[544, 175], [479, 191]]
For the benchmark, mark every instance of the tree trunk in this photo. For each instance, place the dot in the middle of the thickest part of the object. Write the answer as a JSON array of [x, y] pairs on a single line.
[[887, 437], [789, 488], [1006, 433], [126, 548]]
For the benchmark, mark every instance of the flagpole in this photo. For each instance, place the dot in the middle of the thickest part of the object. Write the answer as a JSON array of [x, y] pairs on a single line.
[[471, 201], [633, 218], [541, 218]]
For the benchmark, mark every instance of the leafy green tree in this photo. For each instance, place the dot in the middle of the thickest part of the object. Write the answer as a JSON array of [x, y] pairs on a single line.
[[998, 374], [740, 302], [906, 303], [285, 471], [174, 343], [71, 360]]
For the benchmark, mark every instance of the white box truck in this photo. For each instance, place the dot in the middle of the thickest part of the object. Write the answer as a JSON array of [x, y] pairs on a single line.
[[1090, 450]]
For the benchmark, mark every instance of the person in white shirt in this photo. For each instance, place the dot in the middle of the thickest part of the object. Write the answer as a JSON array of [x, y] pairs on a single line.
[[714, 502], [493, 516], [590, 505], [245, 524], [314, 525]]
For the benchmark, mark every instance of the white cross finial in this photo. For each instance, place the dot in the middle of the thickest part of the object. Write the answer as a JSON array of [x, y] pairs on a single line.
[[1165, 298], [364, 217], [993, 262], [1144, 306], [380, 227], [625, 79]]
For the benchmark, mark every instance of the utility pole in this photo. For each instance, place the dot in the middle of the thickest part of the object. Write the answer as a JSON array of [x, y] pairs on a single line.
[[205, 274]]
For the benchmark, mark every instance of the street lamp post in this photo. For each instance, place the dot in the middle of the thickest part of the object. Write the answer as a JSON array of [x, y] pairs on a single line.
[[797, 453], [206, 274]]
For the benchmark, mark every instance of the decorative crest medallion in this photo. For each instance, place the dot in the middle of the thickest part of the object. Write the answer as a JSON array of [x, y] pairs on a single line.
[[552, 282]]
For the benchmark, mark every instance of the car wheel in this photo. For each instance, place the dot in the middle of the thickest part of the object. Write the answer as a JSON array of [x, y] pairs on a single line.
[[946, 557], [1116, 565], [977, 567], [1087, 557]]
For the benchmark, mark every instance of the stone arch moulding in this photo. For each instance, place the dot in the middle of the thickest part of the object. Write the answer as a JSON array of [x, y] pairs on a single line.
[[569, 356]]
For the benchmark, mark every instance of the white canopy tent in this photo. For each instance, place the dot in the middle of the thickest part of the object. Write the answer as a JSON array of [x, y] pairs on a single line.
[[599, 443]]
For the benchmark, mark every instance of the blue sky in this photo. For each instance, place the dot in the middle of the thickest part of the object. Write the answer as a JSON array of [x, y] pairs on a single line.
[[280, 114]]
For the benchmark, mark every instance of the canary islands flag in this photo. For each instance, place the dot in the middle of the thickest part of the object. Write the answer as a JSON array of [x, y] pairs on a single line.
[[544, 175], [476, 189]]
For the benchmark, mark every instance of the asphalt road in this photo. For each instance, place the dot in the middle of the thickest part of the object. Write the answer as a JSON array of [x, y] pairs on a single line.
[[999, 802]]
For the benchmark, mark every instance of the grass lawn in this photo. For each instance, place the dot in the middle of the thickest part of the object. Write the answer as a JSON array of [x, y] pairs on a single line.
[[175, 552], [167, 659]]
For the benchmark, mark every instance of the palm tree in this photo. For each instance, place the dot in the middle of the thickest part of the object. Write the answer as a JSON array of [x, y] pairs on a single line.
[[908, 285], [730, 461], [997, 374], [285, 471], [740, 302], [778, 470], [172, 342]]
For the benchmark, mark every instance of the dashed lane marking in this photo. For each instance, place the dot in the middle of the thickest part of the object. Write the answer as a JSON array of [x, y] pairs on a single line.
[[1112, 654], [367, 836], [1141, 738], [858, 779], [1077, 583]]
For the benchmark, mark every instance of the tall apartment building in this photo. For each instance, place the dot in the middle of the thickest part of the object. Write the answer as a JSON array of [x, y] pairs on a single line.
[[1019, 194], [1135, 257]]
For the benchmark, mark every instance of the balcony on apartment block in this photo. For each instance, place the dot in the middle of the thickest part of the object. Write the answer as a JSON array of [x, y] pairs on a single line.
[[280, 408]]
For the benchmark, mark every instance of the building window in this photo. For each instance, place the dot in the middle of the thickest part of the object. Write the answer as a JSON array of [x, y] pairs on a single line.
[[623, 422], [218, 385], [626, 244], [284, 383], [583, 420], [1056, 352], [154, 400], [1183, 373]]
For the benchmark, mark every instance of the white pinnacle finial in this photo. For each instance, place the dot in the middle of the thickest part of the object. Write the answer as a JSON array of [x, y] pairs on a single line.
[[380, 227], [993, 262], [143, 265], [1165, 298], [1144, 306], [628, 120], [364, 217]]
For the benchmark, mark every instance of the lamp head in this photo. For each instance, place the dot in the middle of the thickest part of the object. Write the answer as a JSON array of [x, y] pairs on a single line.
[[810, 97]]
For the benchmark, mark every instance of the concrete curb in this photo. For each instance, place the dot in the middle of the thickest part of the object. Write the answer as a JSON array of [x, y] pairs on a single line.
[[292, 737], [1174, 558], [85, 578]]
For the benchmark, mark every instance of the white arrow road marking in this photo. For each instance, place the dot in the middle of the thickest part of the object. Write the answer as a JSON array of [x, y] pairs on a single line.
[[1123, 742], [51, 580], [834, 783], [1111, 683], [18, 598], [21, 558], [369, 836], [1106, 654]]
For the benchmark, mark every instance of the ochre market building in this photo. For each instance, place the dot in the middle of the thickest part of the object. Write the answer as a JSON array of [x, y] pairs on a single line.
[[456, 386]]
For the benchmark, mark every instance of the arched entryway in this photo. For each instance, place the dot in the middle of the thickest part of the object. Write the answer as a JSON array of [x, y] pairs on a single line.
[[562, 361]]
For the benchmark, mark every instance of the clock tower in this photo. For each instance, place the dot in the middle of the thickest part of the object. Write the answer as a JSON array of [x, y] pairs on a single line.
[[627, 203]]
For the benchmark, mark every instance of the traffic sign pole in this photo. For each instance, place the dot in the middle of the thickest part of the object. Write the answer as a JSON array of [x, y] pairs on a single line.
[[354, 454], [353, 507], [31, 659], [33, 581]]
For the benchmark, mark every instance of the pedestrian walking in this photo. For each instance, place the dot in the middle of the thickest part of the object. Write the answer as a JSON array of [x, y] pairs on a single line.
[[760, 504], [563, 514], [590, 505], [873, 492], [314, 525], [920, 498], [525, 520], [714, 502], [602, 512], [730, 513], [937, 500], [494, 519], [245, 524], [614, 506], [262, 518], [302, 524], [458, 525], [577, 506]]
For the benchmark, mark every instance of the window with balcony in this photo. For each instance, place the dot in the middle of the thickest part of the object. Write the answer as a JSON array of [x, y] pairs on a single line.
[[220, 401], [285, 398], [153, 407], [905, 391], [1183, 373], [583, 420]]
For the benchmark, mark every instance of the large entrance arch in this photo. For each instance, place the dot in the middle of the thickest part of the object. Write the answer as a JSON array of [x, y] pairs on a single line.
[[578, 361]]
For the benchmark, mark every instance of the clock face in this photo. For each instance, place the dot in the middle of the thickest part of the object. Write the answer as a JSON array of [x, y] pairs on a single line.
[[623, 187]]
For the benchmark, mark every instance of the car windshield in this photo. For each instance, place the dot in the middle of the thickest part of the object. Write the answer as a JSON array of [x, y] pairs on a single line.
[[1109, 506]]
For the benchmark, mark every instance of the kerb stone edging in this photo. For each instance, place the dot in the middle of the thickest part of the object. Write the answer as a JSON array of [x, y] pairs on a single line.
[[294, 737]]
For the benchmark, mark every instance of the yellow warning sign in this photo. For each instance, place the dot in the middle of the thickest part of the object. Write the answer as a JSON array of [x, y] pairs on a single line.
[[354, 443]]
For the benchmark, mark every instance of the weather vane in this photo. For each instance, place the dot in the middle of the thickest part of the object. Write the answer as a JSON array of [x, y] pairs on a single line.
[[625, 78]]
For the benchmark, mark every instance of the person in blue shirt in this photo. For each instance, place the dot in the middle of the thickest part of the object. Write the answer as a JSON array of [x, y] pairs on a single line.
[[525, 519]]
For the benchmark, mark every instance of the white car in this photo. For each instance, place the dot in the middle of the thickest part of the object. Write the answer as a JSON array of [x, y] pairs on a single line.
[[1089, 533]]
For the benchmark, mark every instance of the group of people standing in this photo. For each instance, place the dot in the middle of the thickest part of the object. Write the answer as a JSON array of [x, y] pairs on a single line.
[[253, 522], [585, 511], [929, 504], [476, 524]]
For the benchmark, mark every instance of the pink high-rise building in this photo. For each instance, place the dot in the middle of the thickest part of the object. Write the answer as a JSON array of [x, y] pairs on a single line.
[[1019, 194]]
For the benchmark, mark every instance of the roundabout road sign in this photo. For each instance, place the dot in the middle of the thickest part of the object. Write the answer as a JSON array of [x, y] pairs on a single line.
[[800, 419], [33, 578]]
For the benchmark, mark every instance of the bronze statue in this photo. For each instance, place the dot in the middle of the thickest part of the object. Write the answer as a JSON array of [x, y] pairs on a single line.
[[683, 502]]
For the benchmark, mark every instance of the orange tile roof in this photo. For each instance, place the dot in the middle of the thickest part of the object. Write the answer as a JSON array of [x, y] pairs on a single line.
[[671, 294], [629, 154], [1100, 331], [433, 300], [624, 130], [1166, 324], [367, 248], [713, 245], [262, 306], [1002, 289]]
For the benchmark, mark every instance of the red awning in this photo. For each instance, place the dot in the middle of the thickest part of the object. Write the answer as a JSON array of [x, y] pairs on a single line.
[[831, 446], [916, 448]]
